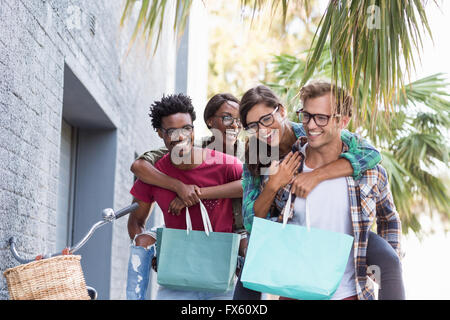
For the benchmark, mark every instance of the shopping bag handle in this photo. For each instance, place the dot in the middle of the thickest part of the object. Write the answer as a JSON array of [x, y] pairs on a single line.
[[205, 218], [287, 207]]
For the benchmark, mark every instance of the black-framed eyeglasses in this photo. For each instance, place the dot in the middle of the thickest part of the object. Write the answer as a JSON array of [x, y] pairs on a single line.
[[266, 120], [321, 120], [228, 120], [185, 131]]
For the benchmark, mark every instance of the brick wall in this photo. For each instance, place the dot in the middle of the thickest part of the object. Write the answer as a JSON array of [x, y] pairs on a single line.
[[36, 38]]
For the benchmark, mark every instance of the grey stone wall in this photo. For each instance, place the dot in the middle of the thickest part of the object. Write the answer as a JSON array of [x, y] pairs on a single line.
[[37, 38]]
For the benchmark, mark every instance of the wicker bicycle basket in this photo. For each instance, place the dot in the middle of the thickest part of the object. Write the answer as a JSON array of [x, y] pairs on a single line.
[[56, 278]]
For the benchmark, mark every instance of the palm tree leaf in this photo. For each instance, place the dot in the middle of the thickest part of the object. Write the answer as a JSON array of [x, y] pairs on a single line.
[[150, 21], [366, 56]]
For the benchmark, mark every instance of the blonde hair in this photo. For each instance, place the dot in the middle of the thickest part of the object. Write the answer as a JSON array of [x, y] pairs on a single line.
[[316, 89]]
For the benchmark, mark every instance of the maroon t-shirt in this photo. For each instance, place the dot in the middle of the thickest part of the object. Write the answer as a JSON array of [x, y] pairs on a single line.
[[217, 169]]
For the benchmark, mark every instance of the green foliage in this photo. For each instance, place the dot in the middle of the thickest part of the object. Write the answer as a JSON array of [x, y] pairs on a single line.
[[372, 44]]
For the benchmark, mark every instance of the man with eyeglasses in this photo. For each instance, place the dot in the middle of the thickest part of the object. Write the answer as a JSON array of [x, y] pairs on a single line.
[[172, 118], [344, 204]]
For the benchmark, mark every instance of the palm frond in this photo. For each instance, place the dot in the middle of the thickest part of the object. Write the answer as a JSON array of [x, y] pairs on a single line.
[[373, 45], [424, 146], [431, 123], [275, 5], [151, 19], [151, 15], [431, 91], [398, 175]]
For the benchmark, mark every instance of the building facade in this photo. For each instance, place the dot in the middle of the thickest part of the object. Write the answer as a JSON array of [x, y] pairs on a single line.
[[73, 117]]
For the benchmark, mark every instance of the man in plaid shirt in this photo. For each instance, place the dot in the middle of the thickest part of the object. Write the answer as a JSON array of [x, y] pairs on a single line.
[[346, 205]]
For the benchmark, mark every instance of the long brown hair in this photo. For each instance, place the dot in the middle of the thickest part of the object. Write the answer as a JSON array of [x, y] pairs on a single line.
[[254, 96]]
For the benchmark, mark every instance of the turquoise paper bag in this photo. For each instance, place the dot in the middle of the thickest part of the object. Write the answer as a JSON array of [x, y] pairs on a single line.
[[295, 261], [197, 260]]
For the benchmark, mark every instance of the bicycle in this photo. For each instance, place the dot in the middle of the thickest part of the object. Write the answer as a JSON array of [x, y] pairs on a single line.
[[108, 216]]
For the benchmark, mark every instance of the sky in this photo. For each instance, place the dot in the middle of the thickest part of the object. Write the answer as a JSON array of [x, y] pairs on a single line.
[[435, 56]]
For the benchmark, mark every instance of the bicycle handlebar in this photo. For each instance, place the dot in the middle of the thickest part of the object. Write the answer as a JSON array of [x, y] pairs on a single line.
[[126, 210], [108, 216]]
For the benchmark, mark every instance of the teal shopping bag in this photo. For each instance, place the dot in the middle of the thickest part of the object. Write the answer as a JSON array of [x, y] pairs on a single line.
[[197, 260], [295, 261]]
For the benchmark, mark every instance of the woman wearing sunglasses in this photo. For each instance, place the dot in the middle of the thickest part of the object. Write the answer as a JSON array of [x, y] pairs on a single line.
[[264, 119]]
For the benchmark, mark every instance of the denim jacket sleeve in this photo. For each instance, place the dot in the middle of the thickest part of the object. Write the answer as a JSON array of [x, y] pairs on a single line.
[[361, 155]]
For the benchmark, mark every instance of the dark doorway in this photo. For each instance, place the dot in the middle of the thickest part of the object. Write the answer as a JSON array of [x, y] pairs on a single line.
[[93, 173]]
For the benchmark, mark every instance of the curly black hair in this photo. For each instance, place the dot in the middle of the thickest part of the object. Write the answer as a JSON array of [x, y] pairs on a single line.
[[168, 105]]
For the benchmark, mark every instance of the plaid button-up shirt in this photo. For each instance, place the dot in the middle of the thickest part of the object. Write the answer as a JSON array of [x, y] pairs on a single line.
[[370, 199]]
